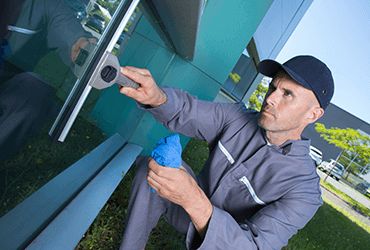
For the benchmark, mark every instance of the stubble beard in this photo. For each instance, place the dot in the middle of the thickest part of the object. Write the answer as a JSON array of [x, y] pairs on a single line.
[[272, 125]]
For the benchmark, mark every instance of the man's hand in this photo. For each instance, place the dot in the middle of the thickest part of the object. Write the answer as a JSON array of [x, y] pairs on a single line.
[[81, 43], [148, 93], [178, 186]]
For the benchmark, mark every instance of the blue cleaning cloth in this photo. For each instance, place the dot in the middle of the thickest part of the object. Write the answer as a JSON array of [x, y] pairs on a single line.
[[168, 152]]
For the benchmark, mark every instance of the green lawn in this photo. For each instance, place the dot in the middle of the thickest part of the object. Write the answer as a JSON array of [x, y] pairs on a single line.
[[329, 229], [347, 198]]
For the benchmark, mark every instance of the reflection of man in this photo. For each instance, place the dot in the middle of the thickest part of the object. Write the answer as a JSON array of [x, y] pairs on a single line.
[[259, 185], [26, 103]]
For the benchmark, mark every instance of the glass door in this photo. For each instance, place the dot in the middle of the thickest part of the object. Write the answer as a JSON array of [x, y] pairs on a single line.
[[52, 48], [109, 39]]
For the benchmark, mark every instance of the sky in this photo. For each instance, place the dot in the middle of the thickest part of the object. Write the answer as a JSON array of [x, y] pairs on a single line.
[[338, 33]]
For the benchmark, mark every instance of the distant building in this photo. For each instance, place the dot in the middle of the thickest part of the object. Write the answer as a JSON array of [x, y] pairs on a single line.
[[334, 117]]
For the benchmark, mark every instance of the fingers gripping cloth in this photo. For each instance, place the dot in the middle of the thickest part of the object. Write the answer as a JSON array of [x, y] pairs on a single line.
[[168, 152]]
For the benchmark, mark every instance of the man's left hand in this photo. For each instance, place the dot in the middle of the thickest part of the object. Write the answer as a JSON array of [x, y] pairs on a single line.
[[178, 186], [175, 185]]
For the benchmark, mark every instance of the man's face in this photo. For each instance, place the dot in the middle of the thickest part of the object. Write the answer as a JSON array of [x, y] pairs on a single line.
[[286, 106]]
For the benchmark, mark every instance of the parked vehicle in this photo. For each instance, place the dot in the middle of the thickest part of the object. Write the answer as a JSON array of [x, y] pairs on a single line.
[[78, 8], [316, 155], [97, 22], [335, 171]]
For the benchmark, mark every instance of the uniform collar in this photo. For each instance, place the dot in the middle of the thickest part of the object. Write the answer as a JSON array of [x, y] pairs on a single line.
[[291, 147]]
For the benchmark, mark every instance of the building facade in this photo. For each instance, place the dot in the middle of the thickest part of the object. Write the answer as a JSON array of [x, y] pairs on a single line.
[[334, 117]]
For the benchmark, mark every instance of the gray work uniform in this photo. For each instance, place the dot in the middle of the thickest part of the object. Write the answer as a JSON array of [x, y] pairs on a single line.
[[261, 193]]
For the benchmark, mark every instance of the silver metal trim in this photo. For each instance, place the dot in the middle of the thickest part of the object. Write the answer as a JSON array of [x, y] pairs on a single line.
[[226, 153], [251, 190], [74, 114], [122, 25], [64, 107]]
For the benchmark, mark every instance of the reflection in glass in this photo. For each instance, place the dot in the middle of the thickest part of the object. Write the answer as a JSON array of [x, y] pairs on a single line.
[[43, 41]]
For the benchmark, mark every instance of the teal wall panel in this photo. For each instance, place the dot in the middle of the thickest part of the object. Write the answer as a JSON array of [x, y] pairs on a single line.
[[131, 49], [225, 30], [144, 55], [160, 63], [114, 110], [182, 75], [153, 132]]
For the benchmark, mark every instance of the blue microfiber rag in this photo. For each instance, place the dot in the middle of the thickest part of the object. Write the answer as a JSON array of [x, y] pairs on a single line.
[[168, 152]]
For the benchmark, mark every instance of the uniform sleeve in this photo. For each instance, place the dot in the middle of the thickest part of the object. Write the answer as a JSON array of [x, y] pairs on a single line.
[[185, 114], [269, 228], [63, 29]]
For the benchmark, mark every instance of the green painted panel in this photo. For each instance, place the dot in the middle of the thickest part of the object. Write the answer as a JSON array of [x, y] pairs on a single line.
[[225, 30], [109, 108], [185, 76], [153, 132], [182, 75], [143, 55], [132, 47], [176, 72], [145, 29], [160, 63]]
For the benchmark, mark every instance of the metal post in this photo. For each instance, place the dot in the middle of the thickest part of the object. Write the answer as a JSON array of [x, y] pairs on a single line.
[[363, 169], [351, 162], [326, 177]]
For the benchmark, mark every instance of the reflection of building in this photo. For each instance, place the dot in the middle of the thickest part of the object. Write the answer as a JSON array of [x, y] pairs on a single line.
[[90, 5], [334, 117]]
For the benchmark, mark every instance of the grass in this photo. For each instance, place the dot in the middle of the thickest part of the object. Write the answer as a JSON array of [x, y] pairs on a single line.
[[331, 227], [39, 161], [363, 209]]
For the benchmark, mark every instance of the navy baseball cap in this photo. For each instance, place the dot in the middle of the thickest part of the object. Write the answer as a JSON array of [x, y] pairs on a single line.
[[308, 71]]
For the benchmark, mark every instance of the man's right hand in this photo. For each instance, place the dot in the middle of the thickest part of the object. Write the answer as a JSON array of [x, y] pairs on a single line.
[[148, 93]]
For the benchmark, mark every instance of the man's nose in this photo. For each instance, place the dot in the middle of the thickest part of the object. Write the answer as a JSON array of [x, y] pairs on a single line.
[[272, 98]]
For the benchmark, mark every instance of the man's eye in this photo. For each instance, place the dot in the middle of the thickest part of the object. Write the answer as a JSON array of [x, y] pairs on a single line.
[[286, 93]]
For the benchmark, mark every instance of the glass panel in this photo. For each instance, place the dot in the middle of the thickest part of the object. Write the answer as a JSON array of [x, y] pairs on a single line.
[[44, 63], [241, 77]]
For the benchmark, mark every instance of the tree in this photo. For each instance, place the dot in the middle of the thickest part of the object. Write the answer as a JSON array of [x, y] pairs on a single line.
[[255, 101], [349, 140]]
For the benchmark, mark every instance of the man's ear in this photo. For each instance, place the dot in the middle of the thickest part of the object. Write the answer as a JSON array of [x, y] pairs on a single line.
[[314, 114]]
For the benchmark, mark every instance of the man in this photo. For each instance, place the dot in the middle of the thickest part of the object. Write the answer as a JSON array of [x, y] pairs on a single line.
[[259, 185]]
